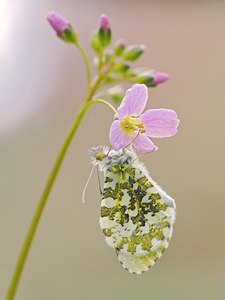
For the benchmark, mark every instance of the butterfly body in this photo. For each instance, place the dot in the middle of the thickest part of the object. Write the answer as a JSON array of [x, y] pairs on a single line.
[[137, 216]]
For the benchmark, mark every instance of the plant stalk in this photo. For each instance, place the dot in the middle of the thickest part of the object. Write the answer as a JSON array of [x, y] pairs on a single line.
[[43, 200]]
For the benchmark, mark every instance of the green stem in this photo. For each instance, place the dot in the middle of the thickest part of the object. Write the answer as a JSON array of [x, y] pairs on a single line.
[[105, 103], [42, 202], [93, 89], [96, 83], [83, 53], [100, 54]]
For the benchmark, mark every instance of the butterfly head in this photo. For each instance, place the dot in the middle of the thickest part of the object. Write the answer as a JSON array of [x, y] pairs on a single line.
[[105, 157], [98, 154]]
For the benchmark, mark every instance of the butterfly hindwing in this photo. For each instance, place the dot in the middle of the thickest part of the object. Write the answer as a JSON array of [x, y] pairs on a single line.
[[136, 216]]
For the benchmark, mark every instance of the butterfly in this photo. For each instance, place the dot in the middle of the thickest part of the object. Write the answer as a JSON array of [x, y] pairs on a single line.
[[137, 216]]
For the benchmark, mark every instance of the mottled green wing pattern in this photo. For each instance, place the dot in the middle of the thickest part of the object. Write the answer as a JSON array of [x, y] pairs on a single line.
[[136, 217]]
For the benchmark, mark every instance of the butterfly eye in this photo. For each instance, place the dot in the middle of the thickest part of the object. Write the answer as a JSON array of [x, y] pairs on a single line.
[[99, 156]]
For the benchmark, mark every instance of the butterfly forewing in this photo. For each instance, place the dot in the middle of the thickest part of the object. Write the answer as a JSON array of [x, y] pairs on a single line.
[[136, 216]]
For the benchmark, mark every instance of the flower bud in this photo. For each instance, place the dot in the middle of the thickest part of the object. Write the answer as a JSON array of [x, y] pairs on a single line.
[[159, 77], [119, 48], [121, 67], [108, 54], [116, 93], [145, 78], [110, 79], [104, 23], [151, 78], [133, 52], [95, 43], [105, 59], [104, 32], [62, 27]]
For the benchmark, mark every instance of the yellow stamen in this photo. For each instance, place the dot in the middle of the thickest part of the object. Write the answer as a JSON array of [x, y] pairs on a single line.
[[130, 124]]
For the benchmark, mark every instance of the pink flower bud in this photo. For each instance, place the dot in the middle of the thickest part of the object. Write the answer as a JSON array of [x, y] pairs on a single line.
[[104, 23], [159, 77], [58, 23]]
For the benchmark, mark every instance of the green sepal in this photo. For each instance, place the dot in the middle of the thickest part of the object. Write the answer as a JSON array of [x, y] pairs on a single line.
[[105, 37], [132, 53], [121, 67], [145, 78], [69, 36], [119, 48], [117, 99], [116, 94], [108, 55], [95, 42], [110, 79]]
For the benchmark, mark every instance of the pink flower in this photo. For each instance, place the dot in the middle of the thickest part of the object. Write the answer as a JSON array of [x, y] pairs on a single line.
[[58, 23], [104, 22], [133, 128]]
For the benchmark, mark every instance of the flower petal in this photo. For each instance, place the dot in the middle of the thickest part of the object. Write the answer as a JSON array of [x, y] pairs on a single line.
[[159, 77], [134, 101], [160, 123], [117, 138], [143, 144], [58, 23], [104, 22]]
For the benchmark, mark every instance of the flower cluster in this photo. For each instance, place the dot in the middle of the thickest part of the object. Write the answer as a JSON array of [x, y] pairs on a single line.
[[118, 59], [133, 128]]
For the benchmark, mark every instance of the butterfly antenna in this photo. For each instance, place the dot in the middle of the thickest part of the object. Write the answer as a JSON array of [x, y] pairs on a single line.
[[132, 141], [141, 154], [86, 185], [99, 181], [109, 151]]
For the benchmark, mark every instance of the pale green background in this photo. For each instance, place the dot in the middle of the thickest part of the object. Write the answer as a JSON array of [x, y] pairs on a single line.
[[42, 83]]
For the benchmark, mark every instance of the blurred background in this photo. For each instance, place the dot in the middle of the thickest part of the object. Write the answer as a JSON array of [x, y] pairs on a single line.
[[42, 82]]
